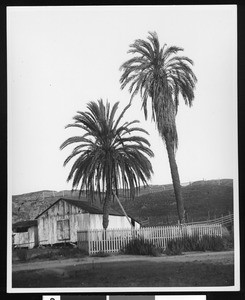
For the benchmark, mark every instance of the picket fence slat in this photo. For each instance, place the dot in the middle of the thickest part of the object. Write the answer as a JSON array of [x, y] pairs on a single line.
[[113, 240]]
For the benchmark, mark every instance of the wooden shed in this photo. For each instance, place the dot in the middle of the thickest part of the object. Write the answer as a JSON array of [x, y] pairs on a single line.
[[25, 234], [60, 222]]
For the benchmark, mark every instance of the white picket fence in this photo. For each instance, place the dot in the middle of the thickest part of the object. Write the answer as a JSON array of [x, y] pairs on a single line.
[[113, 240]]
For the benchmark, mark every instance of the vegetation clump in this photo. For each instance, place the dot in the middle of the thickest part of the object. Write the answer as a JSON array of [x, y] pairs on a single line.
[[22, 254], [139, 246], [101, 254], [229, 240], [48, 253], [194, 243], [62, 253]]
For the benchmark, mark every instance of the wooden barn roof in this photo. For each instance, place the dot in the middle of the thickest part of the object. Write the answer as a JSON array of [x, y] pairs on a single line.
[[85, 206], [24, 224]]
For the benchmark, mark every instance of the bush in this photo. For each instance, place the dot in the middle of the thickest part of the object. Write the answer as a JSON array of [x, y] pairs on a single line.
[[211, 243], [175, 247], [138, 246], [22, 254], [228, 241], [193, 243]]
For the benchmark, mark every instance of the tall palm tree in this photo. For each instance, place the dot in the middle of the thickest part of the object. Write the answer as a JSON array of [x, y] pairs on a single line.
[[160, 74], [109, 155]]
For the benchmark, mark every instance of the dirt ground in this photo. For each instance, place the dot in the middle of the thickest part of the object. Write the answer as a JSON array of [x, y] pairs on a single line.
[[187, 270]]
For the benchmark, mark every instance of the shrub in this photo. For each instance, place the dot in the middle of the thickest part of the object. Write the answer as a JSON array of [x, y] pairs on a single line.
[[175, 247], [228, 238], [139, 246], [229, 241], [191, 243], [194, 243], [211, 243], [22, 254]]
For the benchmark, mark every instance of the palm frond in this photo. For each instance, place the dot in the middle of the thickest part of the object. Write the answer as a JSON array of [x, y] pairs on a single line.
[[105, 151], [160, 74]]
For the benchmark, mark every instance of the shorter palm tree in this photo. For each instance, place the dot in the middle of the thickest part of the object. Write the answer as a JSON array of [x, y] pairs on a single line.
[[109, 156]]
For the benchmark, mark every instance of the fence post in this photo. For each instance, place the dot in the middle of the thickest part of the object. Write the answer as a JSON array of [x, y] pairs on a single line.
[[88, 236]]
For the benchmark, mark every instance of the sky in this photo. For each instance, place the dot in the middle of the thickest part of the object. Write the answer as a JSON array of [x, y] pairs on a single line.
[[60, 58]]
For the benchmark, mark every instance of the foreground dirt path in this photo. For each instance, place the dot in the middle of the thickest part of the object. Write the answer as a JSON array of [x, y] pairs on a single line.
[[224, 257], [188, 270]]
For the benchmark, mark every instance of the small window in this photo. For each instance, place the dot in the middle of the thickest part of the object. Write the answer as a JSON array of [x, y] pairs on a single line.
[[63, 230]]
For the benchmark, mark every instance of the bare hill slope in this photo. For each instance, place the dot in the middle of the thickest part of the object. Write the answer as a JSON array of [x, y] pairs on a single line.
[[157, 202], [203, 200]]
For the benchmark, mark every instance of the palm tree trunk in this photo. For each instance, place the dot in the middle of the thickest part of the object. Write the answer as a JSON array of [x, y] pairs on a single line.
[[108, 194], [106, 207], [176, 180]]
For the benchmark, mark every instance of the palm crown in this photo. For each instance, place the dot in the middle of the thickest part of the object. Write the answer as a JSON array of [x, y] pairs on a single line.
[[109, 156], [157, 72]]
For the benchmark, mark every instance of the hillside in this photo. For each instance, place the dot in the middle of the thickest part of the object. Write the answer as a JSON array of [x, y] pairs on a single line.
[[28, 206], [203, 200], [157, 202]]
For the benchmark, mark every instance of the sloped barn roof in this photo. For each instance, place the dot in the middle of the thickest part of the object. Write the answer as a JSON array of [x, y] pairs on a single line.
[[85, 206], [24, 224]]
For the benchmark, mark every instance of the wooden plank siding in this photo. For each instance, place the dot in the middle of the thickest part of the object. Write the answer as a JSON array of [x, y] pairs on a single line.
[[26, 239], [63, 220], [48, 230]]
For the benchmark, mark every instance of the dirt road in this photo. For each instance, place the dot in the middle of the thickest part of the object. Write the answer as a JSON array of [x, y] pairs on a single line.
[[187, 270], [224, 257]]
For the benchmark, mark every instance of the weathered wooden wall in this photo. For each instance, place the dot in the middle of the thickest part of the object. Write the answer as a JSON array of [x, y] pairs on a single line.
[[47, 222], [26, 239], [33, 236], [49, 232], [114, 222], [21, 239]]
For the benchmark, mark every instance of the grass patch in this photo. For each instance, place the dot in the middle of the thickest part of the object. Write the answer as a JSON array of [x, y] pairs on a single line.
[[62, 253], [133, 274], [100, 254], [48, 253], [22, 254]]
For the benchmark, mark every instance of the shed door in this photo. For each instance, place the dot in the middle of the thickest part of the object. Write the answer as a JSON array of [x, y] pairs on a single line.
[[63, 230]]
